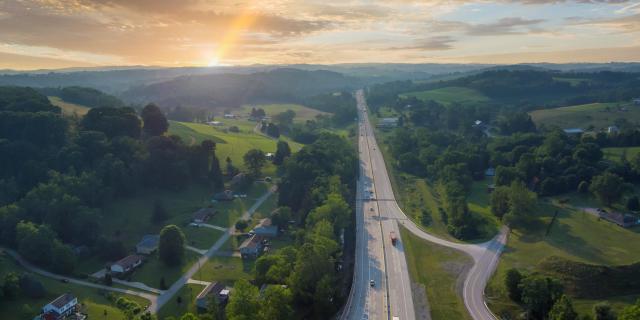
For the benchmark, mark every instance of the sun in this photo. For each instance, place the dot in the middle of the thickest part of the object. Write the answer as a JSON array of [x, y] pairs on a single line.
[[213, 62]]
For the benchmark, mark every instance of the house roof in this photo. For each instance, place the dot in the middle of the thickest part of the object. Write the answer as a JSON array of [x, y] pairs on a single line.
[[211, 288], [252, 242], [573, 130], [62, 300], [266, 222], [203, 213], [129, 261], [149, 241]]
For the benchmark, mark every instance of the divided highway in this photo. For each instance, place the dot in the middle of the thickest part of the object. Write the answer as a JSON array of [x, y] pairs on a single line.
[[377, 215]]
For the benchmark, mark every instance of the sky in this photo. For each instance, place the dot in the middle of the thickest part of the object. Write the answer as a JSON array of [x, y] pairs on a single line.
[[37, 34]]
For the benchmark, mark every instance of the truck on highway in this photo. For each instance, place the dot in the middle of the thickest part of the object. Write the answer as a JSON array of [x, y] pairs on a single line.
[[394, 238]]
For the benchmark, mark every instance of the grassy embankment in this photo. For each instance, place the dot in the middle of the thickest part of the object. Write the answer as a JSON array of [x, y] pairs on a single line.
[[68, 108], [302, 113], [449, 95], [575, 235], [593, 116], [95, 302]]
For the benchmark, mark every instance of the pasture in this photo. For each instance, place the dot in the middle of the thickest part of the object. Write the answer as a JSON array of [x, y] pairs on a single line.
[[449, 95], [593, 116], [68, 108], [302, 113]]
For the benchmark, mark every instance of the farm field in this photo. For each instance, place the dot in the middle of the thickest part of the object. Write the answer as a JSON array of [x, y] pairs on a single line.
[[436, 269], [575, 235], [593, 116], [302, 113], [96, 302], [616, 154], [229, 144], [448, 95], [68, 108]]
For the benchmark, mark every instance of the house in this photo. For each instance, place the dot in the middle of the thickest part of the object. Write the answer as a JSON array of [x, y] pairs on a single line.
[[613, 129], [252, 247], [215, 123], [239, 180], [388, 123], [624, 220], [269, 155], [212, 289], [636, 101], [265, 229], [490, 172], [126, 264], [229, 116], [573, 131], [202, 215], [60, 308], [148, 244], [226, 195]]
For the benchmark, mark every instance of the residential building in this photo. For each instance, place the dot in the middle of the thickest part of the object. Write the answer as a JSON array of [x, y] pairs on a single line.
[[388, 123], [636, 101], [202, 215], [252, 247], [226, 195], [613, 129], [269, 155], [126, 264], [229, 116], [148, 244], [60, 308], [490, 172], [212, 289], [265, 229], [215, 123]]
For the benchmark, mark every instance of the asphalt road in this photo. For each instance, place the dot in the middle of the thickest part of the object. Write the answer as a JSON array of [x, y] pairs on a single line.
[[377, 259]]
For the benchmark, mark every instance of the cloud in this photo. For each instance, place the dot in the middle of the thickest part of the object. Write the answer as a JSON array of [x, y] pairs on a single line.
[[436, 43], [626, 24], [511, 25]]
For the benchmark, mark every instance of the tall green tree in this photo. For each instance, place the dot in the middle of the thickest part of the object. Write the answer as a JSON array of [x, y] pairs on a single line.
[[244, 302], [608, 187], [539, 293], [276, 303], [512, 282], [521, 205], [255, 159], [159, 212], [155, 123], [282, 152], [630, 312], [563, 310], [171, 246], [500, 201], [603, 311]]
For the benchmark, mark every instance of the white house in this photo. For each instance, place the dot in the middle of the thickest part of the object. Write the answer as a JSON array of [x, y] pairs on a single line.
[[229, 116], [215, 123], [636, 101], [60, 308], [126, 264]]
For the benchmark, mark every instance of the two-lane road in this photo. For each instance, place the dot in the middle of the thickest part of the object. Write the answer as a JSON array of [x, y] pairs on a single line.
[[379, 260]]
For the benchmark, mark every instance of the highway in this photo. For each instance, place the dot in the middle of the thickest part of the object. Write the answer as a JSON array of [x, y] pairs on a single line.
[[378, 259]]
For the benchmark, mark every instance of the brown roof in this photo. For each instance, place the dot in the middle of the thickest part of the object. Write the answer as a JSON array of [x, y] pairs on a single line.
[[252, 242], [211, 288], [129, 261], [62, 300]]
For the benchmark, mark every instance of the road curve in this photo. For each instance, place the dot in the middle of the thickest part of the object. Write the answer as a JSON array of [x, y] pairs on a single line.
[[485, 255]]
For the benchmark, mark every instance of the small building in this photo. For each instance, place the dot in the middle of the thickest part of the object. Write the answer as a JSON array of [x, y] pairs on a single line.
[[148, 244], [202, 215], [215, 123], [613, 129], [215, 289], [490, 172], [126, 264], [573, 131], [388, 123], [636, 101], [229, 116], [269, 155], [491, 188], [265, 229], [60, 308], [252, 247], [226, 195]]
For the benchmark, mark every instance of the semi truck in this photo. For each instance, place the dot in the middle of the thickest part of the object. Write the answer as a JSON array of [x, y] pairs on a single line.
[[394, 238]]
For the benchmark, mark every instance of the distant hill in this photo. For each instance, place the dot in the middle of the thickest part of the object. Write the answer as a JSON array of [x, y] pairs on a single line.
[[229, 90]]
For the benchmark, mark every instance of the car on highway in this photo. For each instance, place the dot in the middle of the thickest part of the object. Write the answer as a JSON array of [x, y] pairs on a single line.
[[371, 209], [372, 283]]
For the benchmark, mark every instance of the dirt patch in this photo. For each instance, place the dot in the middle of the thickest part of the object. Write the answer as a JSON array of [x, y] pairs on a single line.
[[420, 302]]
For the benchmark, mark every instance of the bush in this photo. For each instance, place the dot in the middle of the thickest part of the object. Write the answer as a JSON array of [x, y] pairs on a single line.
[[32, 287], [633, 203], [241, 225]]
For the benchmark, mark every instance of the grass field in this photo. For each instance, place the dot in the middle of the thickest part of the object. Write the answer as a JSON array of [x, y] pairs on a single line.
[[68, 108], [302, 113], [437, 269], [201, 237], [226, 270], [94, 301], [449, 95], [617, 154], [229, 144], [575, 235], [152, 270], [594, 116], [187, 295]]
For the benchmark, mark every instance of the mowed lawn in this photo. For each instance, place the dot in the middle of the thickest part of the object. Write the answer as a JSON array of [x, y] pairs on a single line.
[[436, 269], [226, 270], [153, 270], [575, 235], [449, 95], [187, 295], [302, 113], [597, 116], [617, 154], [95, 302], [68, 108]]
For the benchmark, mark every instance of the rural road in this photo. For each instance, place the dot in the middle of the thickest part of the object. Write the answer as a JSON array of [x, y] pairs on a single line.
[[377, 259]]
